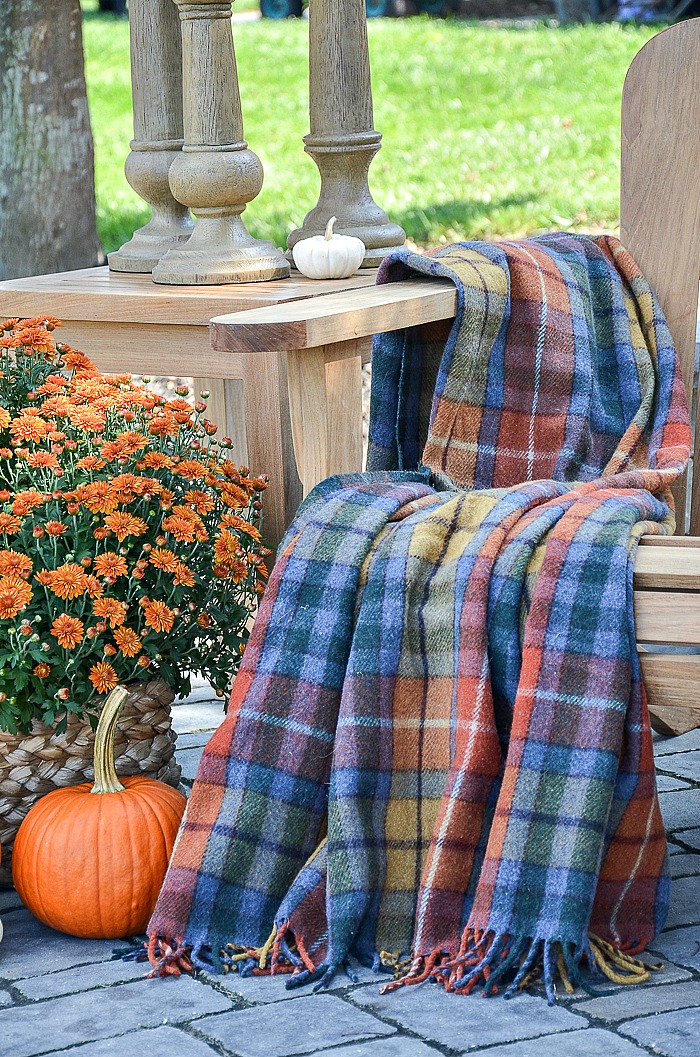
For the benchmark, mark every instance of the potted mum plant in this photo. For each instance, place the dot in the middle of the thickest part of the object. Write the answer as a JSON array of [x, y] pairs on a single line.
[[130, 553]]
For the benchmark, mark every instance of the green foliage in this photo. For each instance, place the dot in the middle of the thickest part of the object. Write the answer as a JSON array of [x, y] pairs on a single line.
[[488, 130]]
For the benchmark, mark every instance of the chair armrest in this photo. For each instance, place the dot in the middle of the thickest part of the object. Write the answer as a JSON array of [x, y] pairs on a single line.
[[334, 318]]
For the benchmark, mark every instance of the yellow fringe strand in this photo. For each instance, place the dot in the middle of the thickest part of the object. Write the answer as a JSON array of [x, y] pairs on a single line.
[[619, 967]]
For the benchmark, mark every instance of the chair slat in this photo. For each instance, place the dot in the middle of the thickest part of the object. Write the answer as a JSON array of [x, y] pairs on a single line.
[[671, 617], [672, 567], [673, 691]]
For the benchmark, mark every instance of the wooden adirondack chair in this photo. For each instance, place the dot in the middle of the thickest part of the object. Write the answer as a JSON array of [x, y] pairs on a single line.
[[319, 345]]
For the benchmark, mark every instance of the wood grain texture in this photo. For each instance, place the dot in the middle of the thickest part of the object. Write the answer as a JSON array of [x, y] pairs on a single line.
[[216, 174], [226, 408], [269, 437], [660, 189], [670, 617], [102, 296], [673, 567], [342, 140], [336, 317], [673, 691], [168, 350], [344, 395], [325, 404], [156, 83]]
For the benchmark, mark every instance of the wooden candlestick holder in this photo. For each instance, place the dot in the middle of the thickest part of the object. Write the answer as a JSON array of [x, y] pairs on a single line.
[[216, 174], [156, 79], [343, 141]]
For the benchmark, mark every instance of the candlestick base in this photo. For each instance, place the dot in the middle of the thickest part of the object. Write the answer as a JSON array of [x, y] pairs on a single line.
[[147, 169], [343, 161], [221, 250]]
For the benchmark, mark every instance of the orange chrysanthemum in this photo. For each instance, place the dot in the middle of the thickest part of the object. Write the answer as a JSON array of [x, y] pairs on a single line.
[[90, 462], [93, 587], [157, 460], [12, 563], [179, 527], [98, 497], [9, 524], [127, 641], [29, 427], [26, 501], [127, 444], [110, 609], [233, 521], [36, 337], [44, 460], [190, 469], [4, 418], [164, 426], [87, 418], [164, 559], [76, 361], [234, 496], [55, 528], [227, 548], [42, 671], [123, 525], [158, 616], [110, 564], [201, 502], [67, 581], [68, 630], [103, 677], [15, 593], [184, 577]]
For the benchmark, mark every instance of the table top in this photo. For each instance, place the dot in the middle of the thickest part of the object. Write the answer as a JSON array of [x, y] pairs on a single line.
[[99, 295]]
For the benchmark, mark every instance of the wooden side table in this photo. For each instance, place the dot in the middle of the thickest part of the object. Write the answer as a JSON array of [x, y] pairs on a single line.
[[124, 322]]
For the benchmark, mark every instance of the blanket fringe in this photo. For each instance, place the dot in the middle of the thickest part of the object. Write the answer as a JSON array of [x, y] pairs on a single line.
[[485, 959], [168, 957], [267, 960]]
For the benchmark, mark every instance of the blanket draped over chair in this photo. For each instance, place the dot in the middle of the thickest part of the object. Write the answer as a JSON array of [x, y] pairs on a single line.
[[437, 754]]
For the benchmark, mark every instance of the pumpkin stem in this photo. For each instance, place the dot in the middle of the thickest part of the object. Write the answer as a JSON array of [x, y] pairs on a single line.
[[106, 780], [329, 229]]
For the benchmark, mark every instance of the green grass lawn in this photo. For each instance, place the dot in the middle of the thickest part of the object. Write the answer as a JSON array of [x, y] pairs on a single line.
[[488, 131]]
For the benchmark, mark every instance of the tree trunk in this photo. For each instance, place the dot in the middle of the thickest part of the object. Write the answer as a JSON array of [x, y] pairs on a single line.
[[47, 184]]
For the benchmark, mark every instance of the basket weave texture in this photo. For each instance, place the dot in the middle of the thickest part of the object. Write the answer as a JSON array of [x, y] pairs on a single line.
[[34, 764]]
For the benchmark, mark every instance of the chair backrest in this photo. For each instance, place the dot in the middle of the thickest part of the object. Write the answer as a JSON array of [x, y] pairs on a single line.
[[660, 198]]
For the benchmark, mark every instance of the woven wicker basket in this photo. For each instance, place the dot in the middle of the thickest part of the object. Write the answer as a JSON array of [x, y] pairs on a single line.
[[33, 764]]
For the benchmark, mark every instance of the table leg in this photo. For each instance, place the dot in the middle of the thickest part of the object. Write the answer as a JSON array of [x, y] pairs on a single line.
[[226, 407], [269, 438], [325, 400]]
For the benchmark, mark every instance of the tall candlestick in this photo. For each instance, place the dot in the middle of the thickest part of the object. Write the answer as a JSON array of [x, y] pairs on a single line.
[[216, 175], [156, 79], [343, 140]]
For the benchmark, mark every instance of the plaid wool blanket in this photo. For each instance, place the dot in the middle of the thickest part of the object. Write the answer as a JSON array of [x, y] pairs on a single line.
[[437, 755]]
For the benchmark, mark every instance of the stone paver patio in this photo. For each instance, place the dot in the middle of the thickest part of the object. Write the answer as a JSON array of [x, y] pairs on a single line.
[[61, 996]]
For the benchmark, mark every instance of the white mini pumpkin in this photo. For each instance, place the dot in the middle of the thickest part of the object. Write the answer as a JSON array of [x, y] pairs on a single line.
[[329, 256]]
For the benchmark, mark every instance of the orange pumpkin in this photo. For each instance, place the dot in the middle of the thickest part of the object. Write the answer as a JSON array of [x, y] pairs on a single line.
[[90, 860]]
